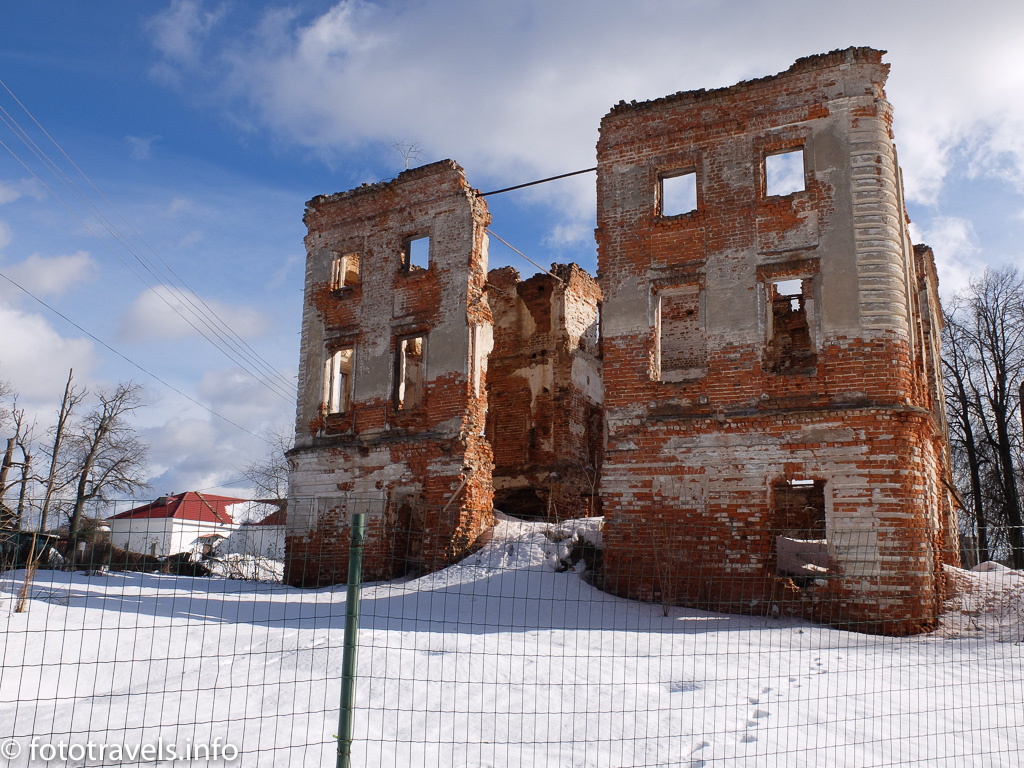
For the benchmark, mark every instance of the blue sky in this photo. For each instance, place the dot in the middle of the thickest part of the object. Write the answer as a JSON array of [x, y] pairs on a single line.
[[207, 125]]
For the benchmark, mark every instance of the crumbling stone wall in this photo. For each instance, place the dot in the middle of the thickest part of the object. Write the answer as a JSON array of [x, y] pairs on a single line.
[[392, 378], [760, 342], [545, 419], [751, 390]]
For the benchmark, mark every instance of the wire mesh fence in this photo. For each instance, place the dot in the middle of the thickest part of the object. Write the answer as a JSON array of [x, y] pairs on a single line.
[[529, 648]]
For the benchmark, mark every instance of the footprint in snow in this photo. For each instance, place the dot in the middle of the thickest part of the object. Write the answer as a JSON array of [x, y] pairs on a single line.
[[683, 686]]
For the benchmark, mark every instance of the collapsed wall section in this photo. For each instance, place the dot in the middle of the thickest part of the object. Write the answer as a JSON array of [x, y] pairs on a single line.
[[392, 378], [545, 420], [763, 343]]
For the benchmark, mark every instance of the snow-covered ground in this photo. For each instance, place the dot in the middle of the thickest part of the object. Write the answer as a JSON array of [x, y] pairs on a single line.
[[502, 660]]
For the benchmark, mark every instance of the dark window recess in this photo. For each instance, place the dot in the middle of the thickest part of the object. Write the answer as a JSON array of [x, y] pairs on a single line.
[[337, 396], [790, 349], [801, 547], [417, 254], [345, 271], [409, 354]]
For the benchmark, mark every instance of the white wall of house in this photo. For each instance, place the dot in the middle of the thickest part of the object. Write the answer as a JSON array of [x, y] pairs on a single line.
[[259, 540], [162, 536]]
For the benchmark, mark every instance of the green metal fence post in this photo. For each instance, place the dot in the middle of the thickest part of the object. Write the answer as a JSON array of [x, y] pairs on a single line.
[[348, 659]]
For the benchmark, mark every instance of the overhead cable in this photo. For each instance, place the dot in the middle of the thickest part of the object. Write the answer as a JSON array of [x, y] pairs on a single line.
[[539, 181], [129, 360], [269, 385], [538, 266], [99, 214], [227, 341]]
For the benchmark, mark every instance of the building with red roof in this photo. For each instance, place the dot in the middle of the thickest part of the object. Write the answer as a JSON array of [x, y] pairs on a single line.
[[183, 522]]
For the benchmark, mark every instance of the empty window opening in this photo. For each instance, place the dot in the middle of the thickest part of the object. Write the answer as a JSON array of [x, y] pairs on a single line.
[[409, 354], [681, 343], [678, 193], [784, 172], [345, 271], [801, 546], [790, 349], [338, 381], [417, 254]]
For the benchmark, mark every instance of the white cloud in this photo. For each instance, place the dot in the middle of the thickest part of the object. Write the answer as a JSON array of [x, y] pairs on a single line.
[[13, 190], [35, 358], [5, 234], [183, 455], [516, 91], [955, 245], [190, 453], [179, 205], [573, 233], [191, 238], [140, 147], [180, 30], [238, 396], [48, 276], [164, 313], [287, 264]]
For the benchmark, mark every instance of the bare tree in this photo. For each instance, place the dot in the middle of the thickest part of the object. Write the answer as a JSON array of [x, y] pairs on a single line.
[[409, 150], [107, 457], [7, 462], [25, 438], [5, 412], [984, 374], [23, 433], [73, 396], [269, 474], [962, 399]]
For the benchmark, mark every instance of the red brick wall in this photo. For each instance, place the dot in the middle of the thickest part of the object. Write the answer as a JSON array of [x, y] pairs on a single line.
[[690, 464], [421, 473], [677, 422], [543, 386]]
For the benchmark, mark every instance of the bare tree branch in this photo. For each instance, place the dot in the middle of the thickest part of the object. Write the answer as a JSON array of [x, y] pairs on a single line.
[[107, 455], [409, 150], [73, 396], [984, 372], [269, 474]]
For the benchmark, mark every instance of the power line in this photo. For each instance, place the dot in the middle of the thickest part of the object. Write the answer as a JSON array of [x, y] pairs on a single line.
[[129, 360], [538, 266], [539, 181], [280, 390], [227, 341], [212, 312]]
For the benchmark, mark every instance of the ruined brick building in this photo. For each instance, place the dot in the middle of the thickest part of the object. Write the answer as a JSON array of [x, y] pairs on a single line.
[[749, 392]]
